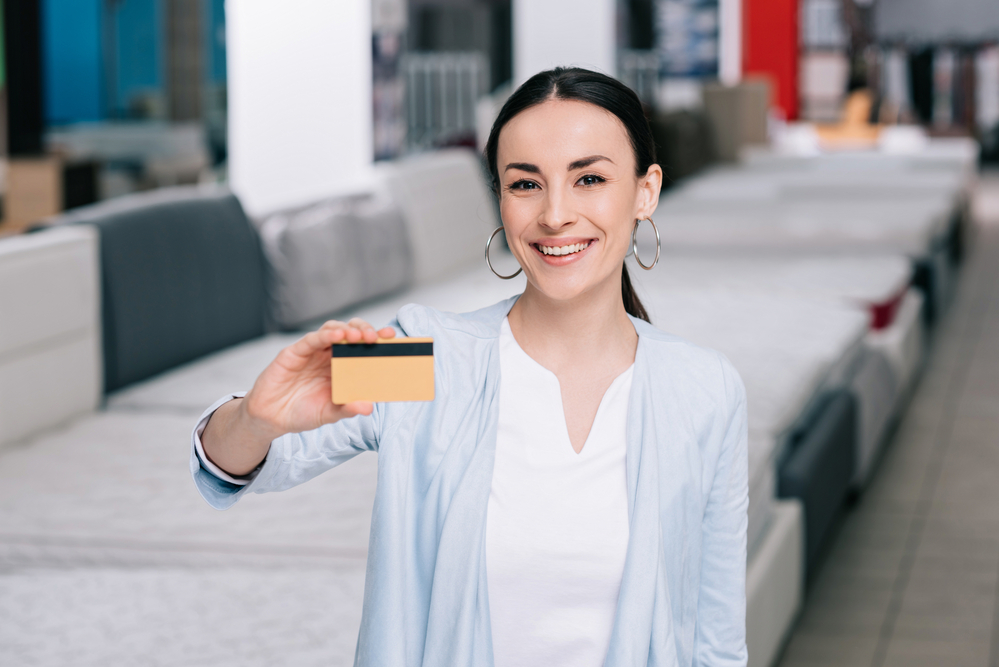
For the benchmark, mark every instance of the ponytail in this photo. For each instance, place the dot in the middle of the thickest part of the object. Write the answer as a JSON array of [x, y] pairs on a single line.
[[632, 305]]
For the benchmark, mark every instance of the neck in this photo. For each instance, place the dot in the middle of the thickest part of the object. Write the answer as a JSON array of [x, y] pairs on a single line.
[[593, 326]]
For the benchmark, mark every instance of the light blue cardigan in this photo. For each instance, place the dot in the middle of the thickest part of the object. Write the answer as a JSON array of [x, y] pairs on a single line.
[[682, 599]]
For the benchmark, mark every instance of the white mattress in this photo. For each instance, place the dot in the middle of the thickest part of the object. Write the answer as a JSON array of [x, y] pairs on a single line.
[[785, 348], [958, 155], [115, 488], [854, 281], [912, 228], [762, 486], [903, 343], [788, 349], [775, 584], [103, 535], [887, 177]]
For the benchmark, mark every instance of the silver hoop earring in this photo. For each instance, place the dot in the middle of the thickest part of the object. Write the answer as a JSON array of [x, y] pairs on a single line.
[[634, 244], [490, 264]]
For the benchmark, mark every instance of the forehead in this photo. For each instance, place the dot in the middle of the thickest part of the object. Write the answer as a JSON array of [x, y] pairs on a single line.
[[561, 131]]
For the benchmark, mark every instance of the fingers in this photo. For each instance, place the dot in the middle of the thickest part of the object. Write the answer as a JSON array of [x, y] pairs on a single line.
[[368, 333], [334, 331]]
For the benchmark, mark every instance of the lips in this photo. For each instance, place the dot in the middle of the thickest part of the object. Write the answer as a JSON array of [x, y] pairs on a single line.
[[563, 249], [558, 252]]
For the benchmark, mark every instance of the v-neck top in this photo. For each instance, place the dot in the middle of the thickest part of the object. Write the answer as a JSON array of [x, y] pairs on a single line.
[[557, 521]]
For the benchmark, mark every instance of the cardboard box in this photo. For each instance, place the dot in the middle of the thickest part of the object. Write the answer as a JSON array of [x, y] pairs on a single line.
[[34, 191]]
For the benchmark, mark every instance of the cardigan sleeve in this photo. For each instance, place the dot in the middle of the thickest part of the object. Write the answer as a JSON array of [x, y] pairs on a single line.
[[292, 459], [720, 636]]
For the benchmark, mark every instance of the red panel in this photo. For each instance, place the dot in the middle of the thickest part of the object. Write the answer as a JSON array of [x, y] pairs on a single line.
[[770, 48]]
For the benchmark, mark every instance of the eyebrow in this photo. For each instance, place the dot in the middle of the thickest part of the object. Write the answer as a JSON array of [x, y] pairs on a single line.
[[587, 161], [523, 166], [581, 163]]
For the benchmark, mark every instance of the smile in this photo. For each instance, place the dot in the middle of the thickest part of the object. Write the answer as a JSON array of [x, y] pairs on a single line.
[[558, 251]]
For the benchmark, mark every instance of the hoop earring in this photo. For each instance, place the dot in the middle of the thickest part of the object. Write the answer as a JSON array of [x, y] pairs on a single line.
[[634, 244], [490, 264]]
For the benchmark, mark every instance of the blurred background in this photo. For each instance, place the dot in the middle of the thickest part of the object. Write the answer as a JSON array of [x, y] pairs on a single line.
[[187, 185]]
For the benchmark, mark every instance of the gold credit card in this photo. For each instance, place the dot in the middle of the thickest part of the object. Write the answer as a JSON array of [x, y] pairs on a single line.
[[393, 369]]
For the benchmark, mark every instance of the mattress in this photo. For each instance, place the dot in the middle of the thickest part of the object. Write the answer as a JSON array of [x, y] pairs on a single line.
[[762, 487], [857, 282], [786, 348], [903, 344], [911, 228], [886, 177], [102, 534], [790, 351], [114, 489], [196, 385], [246, 616], [775, 584], [818, 469], [876, 390], [50, 331], [860, 282], [958, 155]]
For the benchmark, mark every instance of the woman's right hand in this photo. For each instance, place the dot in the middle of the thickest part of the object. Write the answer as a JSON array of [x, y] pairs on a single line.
[[291, 395], [293, 392]]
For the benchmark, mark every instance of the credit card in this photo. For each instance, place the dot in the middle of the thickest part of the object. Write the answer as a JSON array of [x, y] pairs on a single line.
[[392, 369]]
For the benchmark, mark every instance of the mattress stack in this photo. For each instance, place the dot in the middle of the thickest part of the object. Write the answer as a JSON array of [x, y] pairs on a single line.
[[818, 277]]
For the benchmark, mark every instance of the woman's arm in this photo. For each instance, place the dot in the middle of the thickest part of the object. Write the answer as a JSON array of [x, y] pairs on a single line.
[[291, 395]]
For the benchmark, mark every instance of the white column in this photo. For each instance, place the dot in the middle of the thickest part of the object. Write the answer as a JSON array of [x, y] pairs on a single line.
[[730, 41], [300, 121], [548, 33]]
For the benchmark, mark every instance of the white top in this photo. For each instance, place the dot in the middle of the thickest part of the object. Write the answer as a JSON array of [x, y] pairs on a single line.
[[557, 526]]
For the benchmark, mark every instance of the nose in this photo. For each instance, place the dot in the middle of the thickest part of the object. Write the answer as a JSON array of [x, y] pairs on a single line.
[[558, 211]]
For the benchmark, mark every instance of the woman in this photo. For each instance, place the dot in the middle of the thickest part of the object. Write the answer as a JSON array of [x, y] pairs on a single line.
[[576, 494]]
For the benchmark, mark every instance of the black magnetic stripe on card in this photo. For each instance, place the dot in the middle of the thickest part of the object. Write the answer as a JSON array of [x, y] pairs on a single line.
[[383, 350]]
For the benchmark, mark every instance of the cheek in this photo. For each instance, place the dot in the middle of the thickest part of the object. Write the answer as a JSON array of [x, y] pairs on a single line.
[[613, 214], [516, 214]]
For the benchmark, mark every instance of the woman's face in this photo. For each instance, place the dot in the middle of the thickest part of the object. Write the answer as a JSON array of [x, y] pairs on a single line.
[[569, 196]]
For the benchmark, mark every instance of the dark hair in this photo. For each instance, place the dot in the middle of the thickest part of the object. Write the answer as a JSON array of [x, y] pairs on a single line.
[[582, 85]]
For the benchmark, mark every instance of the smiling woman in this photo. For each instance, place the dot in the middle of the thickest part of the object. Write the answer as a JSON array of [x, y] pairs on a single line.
[[617, 121], [576, 492]]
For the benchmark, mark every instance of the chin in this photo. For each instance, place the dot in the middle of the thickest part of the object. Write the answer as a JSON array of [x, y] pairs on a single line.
[[564, 289]]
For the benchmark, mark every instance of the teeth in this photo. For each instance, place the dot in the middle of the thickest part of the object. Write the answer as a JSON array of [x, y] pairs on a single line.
[[562, 250]]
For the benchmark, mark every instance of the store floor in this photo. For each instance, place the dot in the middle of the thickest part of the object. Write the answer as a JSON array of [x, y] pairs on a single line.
[[913, 577]]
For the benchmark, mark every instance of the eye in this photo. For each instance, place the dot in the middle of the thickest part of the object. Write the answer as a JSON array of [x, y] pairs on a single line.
[[590, 179], [523, 185]]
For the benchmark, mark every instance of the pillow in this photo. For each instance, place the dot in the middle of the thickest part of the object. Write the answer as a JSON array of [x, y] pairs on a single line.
[[333, 254], [182, 276], [449, 209]]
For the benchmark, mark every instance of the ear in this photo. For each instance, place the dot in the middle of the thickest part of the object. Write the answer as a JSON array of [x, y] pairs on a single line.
[[648, 192]]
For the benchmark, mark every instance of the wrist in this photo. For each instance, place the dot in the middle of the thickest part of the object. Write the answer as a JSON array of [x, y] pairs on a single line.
[[257, 427]]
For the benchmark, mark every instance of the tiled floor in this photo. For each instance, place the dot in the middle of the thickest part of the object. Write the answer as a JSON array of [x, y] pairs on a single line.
[[913, 578]]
